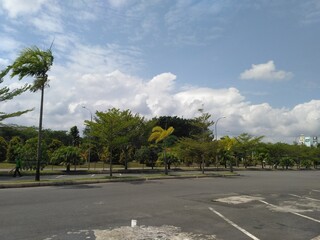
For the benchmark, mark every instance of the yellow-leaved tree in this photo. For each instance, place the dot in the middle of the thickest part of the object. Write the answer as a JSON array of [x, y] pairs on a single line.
[[159, 134]]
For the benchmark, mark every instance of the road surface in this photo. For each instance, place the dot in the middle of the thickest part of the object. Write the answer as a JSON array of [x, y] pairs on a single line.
[[255, 205]]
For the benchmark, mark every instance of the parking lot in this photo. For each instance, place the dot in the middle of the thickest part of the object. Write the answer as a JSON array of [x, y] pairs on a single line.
[[271, 216], [255, 205]]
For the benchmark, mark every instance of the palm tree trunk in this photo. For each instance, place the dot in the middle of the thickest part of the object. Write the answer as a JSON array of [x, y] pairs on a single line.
[[37, 178]]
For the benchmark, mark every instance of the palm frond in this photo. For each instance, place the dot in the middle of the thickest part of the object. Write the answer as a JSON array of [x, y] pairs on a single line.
[[157, 129]]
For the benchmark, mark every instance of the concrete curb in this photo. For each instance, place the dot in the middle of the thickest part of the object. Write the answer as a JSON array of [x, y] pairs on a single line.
[[95, 181]]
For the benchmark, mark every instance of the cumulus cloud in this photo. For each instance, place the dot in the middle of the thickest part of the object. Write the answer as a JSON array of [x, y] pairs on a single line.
[[159, 96], [265, 71]]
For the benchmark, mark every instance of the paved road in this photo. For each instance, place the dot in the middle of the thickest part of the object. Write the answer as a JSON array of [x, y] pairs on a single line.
[[256, 205]]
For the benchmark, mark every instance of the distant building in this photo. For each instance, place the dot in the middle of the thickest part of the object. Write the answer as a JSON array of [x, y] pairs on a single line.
[[315, 141], [308, 141], [301, 139]]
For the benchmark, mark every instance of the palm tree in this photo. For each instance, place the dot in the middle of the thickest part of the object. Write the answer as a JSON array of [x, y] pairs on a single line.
[[7, 94], [33, 62], [158, 134]]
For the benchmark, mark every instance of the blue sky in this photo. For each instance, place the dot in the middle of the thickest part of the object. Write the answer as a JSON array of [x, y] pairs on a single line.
[[256, 62]]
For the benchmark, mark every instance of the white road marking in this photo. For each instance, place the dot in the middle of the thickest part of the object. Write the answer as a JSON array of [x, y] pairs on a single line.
[[315, 190], [234, 225], [60, 176], [92, 175], [295, 213], [312, 199]]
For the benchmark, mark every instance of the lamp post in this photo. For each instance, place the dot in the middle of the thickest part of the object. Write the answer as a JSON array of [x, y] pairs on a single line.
[[215, 127], [89, 157]]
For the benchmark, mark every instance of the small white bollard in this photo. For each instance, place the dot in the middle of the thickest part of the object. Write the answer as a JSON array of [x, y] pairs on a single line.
[[133, 223]]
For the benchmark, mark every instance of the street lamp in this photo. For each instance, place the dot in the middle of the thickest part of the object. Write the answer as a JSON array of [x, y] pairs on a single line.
[[89, 157], [215, 127]]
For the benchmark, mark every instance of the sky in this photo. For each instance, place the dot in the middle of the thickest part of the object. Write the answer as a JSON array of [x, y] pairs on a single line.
[[252, 64]]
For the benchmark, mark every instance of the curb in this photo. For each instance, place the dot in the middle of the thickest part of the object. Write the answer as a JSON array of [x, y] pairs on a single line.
[[95, 181]]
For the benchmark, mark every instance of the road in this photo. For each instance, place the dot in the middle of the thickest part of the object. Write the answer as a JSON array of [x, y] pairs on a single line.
[[255, 205]]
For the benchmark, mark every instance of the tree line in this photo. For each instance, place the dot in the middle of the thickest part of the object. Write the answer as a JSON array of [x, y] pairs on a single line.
[[118, 137]]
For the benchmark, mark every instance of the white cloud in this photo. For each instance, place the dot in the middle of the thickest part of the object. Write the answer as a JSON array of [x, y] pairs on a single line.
[[16, 8], [265, 71], [90, 77], [159, 96]]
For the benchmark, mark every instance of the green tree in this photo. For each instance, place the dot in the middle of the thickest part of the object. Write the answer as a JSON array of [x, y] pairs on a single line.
[[104, 155], [159, 134], [63, 136], [114, 129], [74, 133], [147, 155], [28, 154], [182, 127], [171, 159], [199, 146], [67, 155], [286, 162], [246, 147], [12, 152], [52, 147], [33, 62], [225, 149], [3, 149]]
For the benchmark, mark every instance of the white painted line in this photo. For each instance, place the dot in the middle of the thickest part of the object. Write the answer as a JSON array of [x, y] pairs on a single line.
[[92, 175], [295, 213], [310, 218], [315, 190], [234, 225], [60, 176], [312, 199]]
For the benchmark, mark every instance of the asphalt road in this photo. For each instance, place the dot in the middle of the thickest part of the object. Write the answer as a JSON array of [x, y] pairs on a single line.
[[255, 205]]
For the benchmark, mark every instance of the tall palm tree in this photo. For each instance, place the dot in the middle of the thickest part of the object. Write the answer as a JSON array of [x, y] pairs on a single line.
[[34, 62], [159, 134]]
